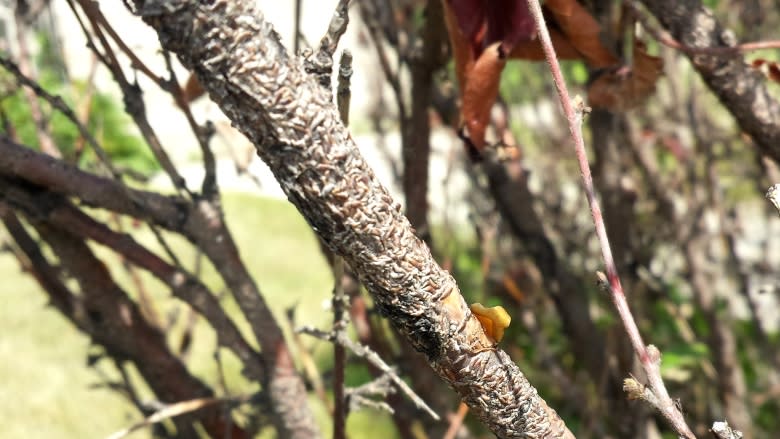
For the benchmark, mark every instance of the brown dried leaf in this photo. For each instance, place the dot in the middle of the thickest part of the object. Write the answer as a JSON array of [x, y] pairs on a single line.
[[770, 69], [479, 94], [582, 31], [461, 46], [484, 33], [532, 50], [193, 89], [625, 88]]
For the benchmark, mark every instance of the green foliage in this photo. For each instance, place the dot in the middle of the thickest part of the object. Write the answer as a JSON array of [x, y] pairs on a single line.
[[680, 359], [522, 82], [767, 415], [123, 146], [712, 4], [107, 120]]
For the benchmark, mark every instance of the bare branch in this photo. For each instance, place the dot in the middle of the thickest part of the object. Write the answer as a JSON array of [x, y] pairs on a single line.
[[60, 213], [340, 338], [202, 223], [649, 356], [741, 89], [296, 128], [59, 104], [176, 409]]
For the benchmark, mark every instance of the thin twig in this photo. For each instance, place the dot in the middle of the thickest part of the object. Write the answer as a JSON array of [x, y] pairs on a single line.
[[308, 364], [340, 299], [145, 301], [225, 391], [59, 104], [456, 422], [368, 14], [132, 95], [668, 40], [203, 134], [320, 62], [343, 92], [373, 359], [178, 409], [45, 140], [649, 356], [340, 321], [297, 28], [381, 387]]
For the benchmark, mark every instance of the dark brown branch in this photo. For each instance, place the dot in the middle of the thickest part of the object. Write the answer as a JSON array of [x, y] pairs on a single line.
[[115, 322], [202, 224], [35, 263], [60, 213], [741, 89], [59, 177], [59, 104], [291, 120], [132, 96], [416, 130]]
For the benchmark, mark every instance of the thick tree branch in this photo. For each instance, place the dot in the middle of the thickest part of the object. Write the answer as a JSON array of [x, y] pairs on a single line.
[[201, 223], [740, 88], [58, 212], [114, 321], [266, 93]]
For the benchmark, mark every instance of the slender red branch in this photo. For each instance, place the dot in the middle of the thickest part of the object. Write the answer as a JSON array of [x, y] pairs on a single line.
[[649, 356]]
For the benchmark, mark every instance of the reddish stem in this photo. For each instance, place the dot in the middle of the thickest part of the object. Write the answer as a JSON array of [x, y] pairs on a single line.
[[649, 358]]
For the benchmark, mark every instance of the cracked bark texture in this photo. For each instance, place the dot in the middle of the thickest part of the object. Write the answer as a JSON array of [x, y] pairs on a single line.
[[740, 88], [296, 129]]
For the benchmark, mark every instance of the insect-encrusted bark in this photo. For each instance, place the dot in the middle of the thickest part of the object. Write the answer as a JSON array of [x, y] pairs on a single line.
[[297, 132]]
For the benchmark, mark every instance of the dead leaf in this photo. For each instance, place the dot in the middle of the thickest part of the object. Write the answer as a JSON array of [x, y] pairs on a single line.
[[770, 69], [532, 50], [193, 89], [582, 31], [479, 94], [484, 34], [626, 87], [486, 22]]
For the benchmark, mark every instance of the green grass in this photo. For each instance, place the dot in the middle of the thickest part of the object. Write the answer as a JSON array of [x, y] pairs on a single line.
[[45, 382]]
